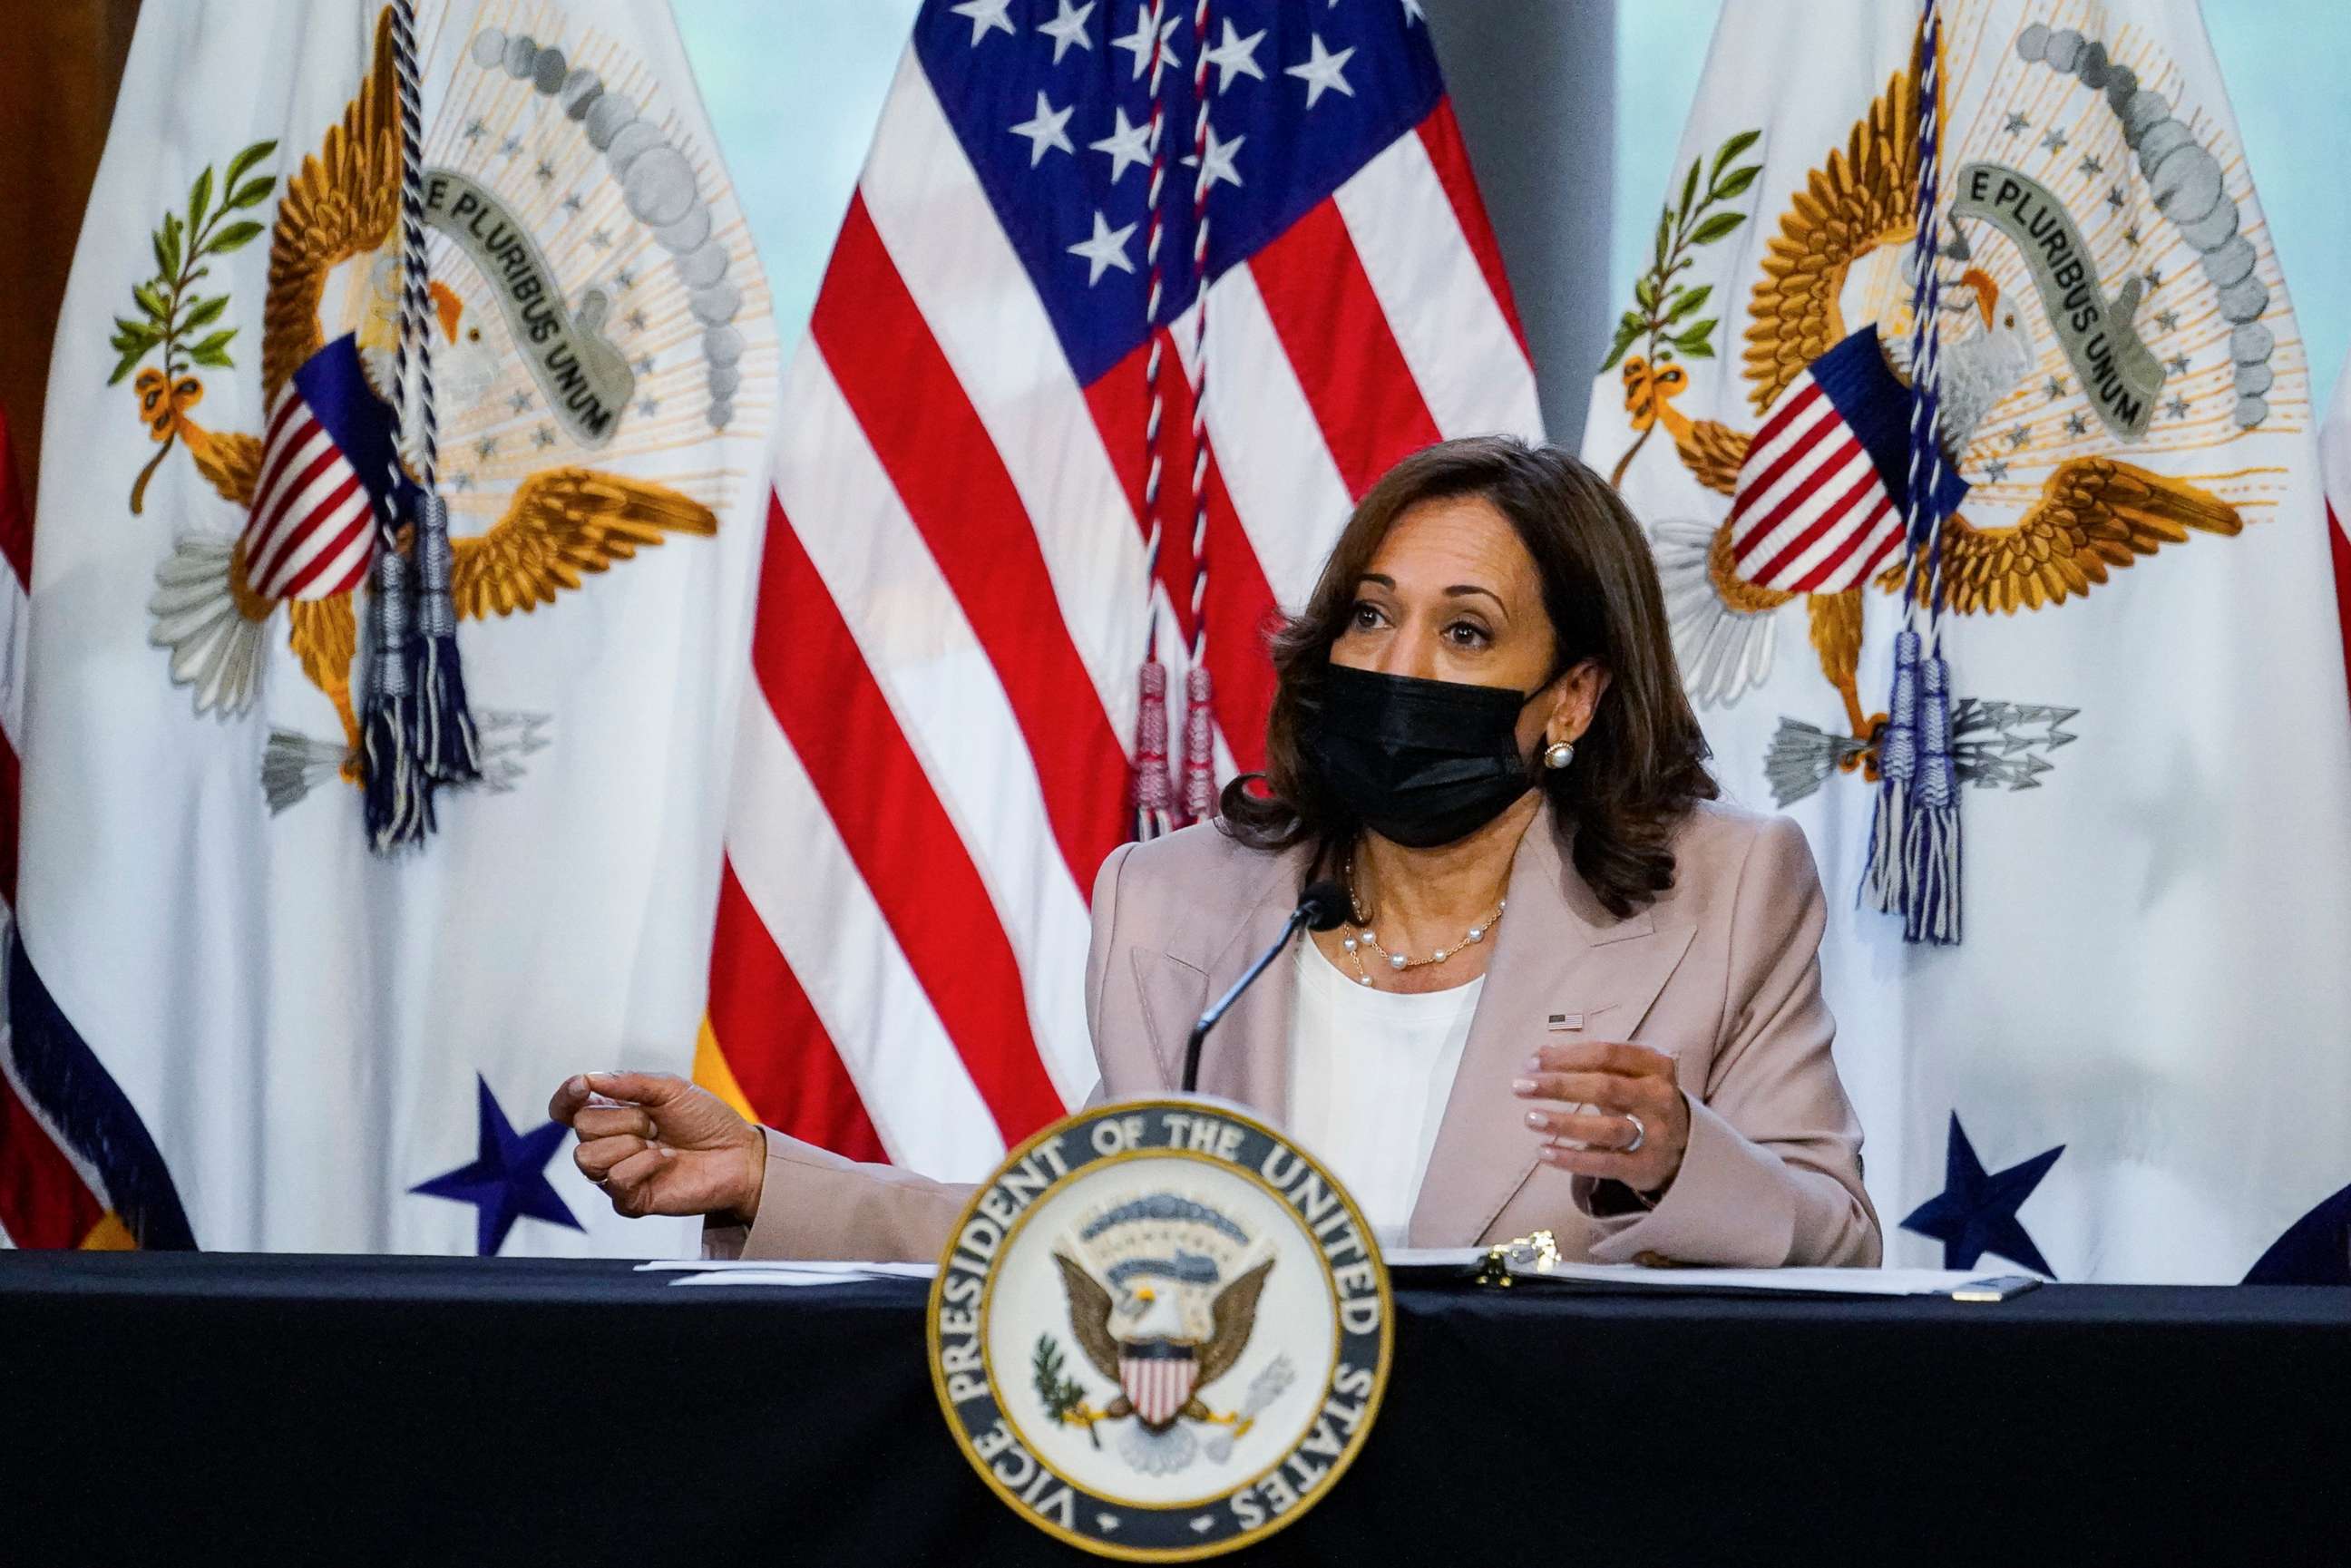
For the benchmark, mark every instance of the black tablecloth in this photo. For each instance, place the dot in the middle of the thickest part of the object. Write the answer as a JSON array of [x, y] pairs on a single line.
[[168, 1408]]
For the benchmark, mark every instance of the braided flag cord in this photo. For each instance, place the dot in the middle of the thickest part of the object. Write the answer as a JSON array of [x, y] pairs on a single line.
[[1914, 856], [1199, 725], [417, 733], [398, 799], [415, 296], [447, 749], [1154, 790]]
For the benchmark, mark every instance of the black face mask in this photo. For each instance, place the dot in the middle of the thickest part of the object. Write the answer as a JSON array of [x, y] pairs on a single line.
[[1418, 762]]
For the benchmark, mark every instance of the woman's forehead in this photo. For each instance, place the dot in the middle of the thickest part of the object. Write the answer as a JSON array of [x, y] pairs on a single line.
[[1455, 539]]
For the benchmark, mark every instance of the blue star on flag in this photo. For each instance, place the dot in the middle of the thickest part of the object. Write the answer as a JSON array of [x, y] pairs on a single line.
[[1975, 1214], [507, 1180], [2315, 1251]]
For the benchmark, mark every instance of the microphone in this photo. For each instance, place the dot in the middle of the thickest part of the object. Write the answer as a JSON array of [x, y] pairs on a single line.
[[1321, 907]]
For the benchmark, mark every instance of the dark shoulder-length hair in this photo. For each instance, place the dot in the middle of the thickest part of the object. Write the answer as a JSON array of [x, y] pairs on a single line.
[[1641, 765]]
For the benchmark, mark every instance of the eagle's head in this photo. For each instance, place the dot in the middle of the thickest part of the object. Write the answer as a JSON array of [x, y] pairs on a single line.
[[1152, 1309], [1982, 367], [465, 364], [465, 361]]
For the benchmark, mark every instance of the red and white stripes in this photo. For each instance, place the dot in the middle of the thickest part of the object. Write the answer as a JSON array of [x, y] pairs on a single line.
[[1810, 515], [313, 520], [1158, 1385]]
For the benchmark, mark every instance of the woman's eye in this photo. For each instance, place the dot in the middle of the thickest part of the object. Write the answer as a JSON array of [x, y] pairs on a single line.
[[1467, 634], [1364, 616]]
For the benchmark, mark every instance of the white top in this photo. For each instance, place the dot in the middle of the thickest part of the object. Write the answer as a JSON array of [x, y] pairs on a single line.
[[1370, 1072]]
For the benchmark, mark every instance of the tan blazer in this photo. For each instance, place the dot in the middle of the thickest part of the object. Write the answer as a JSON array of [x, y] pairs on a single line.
[[1722, 971]]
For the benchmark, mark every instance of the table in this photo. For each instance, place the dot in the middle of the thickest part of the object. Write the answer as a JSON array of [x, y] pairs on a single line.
[[165, 1409]]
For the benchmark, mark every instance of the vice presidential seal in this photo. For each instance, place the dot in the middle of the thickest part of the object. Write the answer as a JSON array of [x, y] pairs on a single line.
[[1161, 1330]]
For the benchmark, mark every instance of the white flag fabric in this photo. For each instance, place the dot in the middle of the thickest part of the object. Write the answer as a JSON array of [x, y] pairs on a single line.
[[2133, 1064], [249, 1031]]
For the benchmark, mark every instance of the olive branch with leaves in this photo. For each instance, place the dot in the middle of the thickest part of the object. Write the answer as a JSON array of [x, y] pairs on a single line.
[[170, 310], [1663, 308], [1062, 1394]]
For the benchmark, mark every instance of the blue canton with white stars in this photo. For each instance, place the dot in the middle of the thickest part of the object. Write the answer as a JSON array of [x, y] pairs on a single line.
[[508, 1178], [1052, 100]]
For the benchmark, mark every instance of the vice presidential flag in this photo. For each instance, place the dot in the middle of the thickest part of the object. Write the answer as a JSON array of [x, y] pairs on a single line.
[[233, 1024], [999, 557], [2132, 1064]]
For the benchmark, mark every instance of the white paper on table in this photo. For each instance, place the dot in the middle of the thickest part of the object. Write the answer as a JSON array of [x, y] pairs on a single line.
[[763, 1271], [1808, 1281], [1800, 1280], [789, 1265], [775, 1278]]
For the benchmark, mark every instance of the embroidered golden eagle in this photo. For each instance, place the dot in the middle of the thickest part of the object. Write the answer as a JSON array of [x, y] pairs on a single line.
[[2094, 515], [561, 523]]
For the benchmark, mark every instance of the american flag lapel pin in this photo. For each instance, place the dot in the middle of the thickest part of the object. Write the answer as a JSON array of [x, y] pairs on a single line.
[[1564, 1021]]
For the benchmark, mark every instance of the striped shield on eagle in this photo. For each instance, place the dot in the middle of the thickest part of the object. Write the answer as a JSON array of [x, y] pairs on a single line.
[[1817, 507], [1156, 1376], [1163, 1322], [327, 464]]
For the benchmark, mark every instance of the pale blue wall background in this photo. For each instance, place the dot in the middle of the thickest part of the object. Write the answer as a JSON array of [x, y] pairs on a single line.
[[794, 86]]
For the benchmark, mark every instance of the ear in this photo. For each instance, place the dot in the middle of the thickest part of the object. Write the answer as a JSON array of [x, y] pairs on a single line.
[[1575, 698]]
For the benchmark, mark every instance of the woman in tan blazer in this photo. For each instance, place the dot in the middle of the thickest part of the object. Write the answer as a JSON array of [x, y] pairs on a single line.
[[1574, 993]]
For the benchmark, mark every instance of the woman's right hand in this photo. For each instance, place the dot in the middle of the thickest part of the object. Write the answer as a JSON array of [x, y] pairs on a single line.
[[658, 1144]]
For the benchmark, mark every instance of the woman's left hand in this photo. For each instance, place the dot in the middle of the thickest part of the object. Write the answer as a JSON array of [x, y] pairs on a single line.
[[1602, 1086]]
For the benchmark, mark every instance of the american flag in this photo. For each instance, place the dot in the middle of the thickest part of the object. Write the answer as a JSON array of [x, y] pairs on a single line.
[[962, 580]]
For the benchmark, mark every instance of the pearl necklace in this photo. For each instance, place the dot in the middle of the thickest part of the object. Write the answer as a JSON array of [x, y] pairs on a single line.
[[1398, 962]]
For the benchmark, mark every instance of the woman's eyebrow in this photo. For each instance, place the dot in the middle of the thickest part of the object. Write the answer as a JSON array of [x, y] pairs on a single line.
[[1462, 589]]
